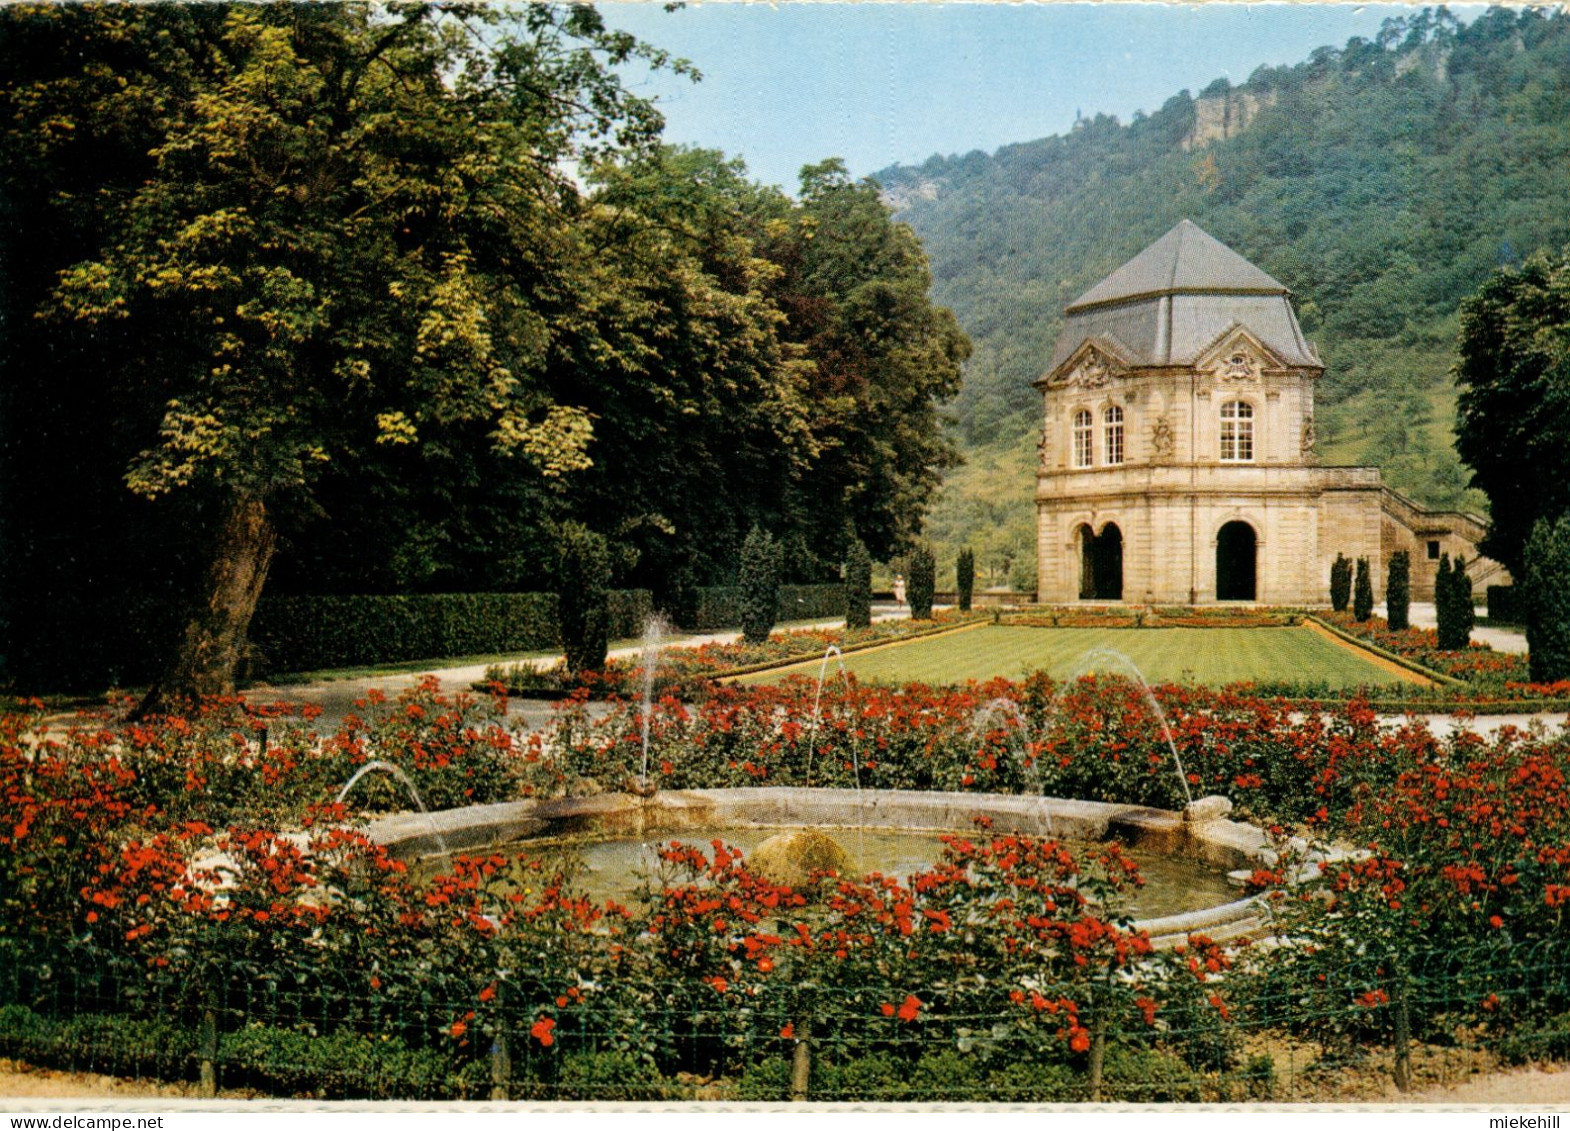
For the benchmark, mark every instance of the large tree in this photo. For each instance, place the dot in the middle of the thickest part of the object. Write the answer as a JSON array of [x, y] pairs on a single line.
[[856, 288], [702, 429], [352, 233], [1513, 426]]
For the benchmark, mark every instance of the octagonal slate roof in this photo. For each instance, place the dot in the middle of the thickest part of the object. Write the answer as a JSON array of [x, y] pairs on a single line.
[[1174, 300], [1185, 259]]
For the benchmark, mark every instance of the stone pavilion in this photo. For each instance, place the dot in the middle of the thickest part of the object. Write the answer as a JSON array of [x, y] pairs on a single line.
[[1177, 461]]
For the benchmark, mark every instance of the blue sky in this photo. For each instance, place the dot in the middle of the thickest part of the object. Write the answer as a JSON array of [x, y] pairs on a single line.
[[879, 83]]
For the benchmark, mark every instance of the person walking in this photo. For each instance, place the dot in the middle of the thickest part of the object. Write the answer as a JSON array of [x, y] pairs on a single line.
[[899, 590]]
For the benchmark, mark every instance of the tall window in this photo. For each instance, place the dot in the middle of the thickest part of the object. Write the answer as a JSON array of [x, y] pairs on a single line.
[[1084, 430], [1114, 445], [1237, 432]]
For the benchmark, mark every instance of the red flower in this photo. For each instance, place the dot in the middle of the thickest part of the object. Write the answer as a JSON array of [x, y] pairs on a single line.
[[887, 1008], [789, 1031], [541, 1031], [910, 1007], [488, 993]]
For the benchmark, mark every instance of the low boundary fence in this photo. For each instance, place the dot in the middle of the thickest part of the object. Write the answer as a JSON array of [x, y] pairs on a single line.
[[1269, 1034]]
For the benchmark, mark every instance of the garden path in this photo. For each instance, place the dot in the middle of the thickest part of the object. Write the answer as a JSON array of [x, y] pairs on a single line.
[[336, 697], [1422, 615]]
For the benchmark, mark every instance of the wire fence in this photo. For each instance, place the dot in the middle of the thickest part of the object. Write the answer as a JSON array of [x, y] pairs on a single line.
[[1274, 1028]]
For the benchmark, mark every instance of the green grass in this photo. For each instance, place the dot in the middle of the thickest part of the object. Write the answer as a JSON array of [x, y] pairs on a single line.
[[1214, 656]]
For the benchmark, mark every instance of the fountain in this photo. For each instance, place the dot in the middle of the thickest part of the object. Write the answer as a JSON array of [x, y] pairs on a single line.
[[408, 783], [983, 720], [817, 699], [895, 832], [889, 830], [1088, 663]]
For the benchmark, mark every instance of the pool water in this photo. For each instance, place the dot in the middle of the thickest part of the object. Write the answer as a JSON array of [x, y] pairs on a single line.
[[617, 869]]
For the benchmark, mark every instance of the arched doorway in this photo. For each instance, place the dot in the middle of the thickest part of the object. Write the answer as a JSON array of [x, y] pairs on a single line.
[[1236, 554], [1101, 564]]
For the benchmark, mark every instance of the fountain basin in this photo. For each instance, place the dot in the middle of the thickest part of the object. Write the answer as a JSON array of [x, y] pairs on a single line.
[[1216, 842]]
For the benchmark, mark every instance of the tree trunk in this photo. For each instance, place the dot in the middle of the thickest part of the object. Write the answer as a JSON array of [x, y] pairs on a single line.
[[214, 638]]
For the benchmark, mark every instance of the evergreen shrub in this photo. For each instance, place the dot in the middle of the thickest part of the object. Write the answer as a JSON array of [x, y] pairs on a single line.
[[583, 575], [1546, 598], [1363, 593], [965, 578], [858, 585], [1466, 611], [1340, 584], [1398, 591], [759, 583], [1503, 604], [1453, 604], [922, 583]]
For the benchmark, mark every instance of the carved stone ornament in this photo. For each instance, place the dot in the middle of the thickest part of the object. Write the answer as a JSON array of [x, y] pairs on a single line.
[[1044, 447], [1162, 441], [1308, 436], [1239, 365], [1092, 372]]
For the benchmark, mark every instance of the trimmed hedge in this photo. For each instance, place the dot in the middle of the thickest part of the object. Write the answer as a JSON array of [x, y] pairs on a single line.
[[306, 633], [719, 606]]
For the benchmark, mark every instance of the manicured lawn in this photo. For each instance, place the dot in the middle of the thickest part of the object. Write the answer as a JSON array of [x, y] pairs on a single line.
[[1213, 656]]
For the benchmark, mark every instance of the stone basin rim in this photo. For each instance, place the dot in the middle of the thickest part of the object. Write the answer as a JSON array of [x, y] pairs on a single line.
[[1220, 842]]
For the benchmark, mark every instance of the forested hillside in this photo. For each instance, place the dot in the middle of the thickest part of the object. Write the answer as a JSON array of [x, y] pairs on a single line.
[[1381, 181]]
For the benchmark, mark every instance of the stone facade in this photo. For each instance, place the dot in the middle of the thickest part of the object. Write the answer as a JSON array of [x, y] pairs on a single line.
[[1177, 461]]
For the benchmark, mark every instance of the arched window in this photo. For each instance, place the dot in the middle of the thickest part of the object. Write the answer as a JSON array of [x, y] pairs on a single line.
[[1237, 432], [1084, 430], [1113, 450]]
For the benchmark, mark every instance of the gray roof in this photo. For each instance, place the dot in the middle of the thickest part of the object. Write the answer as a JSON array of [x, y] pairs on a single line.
[[1177, 298]]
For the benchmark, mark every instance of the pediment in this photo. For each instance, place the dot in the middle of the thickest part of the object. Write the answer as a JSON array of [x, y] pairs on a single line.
[[1096, 363], [1236, 356]]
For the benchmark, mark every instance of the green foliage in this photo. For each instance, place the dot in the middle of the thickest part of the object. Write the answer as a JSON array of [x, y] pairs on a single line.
[[1503, 604], [1465, 616], [965, 577], [1453, 604], [1444, 602], [613, 1075], [791, 352], [308, 633], [133, 1046], [1363, 592], [394, 316], [1514, 373], [339, 1065], [448, 345], [583, 575], [759, 584], [1545, 595], [922, 582], [858, 585], [1398, 591], [1340, 584], [723, 606]]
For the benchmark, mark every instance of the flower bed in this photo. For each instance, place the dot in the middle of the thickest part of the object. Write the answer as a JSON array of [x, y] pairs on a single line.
[[178, 893], [1122, 616], [1490, 681]]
